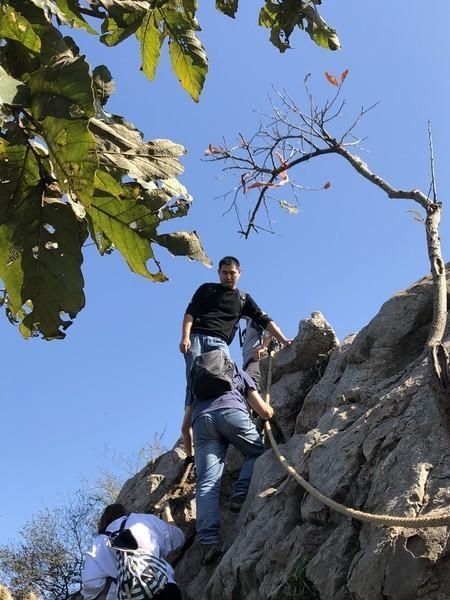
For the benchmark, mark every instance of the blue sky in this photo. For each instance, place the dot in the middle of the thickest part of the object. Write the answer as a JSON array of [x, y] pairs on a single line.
[[118, 377]]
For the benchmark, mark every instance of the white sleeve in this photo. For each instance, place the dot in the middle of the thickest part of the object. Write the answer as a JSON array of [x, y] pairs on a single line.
[[92, 588], [176, 537]]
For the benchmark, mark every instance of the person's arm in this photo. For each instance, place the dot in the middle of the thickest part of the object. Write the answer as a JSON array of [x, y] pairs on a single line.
[[93, 578], [91, 589], [185, 343], [274, 330], [176, 536], [261, 351], [262, 409], [186, 431]]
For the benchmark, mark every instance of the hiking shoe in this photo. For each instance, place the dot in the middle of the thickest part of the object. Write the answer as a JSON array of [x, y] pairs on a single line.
[[236, 503], [209, 553]]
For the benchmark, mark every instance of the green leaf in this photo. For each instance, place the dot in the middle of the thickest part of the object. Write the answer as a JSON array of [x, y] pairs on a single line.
[[184, 243], [63, 88], [62, 102], [127, 223], [12, 91], [103, 83], [282, 17], [19, 175], [73, 16], [67, 11], [40, 264], [151, 39], [16, 27], [72, 152], [113, 33], [323, 35], [120, 146], [227, 7], [187, 55]]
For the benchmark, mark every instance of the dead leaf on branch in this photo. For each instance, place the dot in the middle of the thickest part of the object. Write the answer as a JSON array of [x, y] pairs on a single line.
[[331, 79]]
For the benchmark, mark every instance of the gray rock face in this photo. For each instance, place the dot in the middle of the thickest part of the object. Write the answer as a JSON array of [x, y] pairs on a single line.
[[359, 422]]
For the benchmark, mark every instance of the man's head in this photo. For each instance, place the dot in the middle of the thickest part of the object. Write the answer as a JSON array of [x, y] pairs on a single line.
[[229, 271], [110, 514]]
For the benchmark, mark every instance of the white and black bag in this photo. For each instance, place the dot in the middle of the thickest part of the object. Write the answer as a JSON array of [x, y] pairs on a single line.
[[140, 575]]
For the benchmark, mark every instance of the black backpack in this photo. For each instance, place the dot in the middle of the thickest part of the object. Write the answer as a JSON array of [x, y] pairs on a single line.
[[212, 375]]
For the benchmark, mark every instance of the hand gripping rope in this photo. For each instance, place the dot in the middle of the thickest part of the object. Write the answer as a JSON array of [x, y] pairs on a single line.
[[414, 522]]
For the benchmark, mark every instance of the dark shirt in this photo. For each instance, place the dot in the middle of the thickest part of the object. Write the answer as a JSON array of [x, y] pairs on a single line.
[[235, 398], [216, 309]]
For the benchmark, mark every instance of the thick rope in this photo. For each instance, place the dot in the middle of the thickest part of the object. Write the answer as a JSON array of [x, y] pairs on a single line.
[[414, 522]]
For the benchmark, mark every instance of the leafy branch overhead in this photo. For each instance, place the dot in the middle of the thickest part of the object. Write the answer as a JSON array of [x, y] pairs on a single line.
[[69, 170]]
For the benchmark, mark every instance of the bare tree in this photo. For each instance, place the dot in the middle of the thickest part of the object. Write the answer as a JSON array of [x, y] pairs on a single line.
[[49, 559], [292, 135]]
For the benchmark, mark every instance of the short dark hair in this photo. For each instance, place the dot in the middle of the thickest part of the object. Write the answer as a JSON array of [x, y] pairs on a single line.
[[229, 261], [110, 514]]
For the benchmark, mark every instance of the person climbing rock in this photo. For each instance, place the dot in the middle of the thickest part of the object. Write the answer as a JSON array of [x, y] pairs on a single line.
[[212, 316], [157, 537], [209, 427]]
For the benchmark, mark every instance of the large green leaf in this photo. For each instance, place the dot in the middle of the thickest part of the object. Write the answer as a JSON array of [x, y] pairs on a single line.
[[12, 91], [63, 88], [120, 146], [40, 264], [15, 26], [187, 55], [127, 216], [62, 102], [151, 39], [19, 60], [126, 223], [227, 7], [72, 152]]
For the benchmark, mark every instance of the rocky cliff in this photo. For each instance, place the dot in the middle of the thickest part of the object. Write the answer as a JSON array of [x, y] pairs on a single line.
[[358, 420]]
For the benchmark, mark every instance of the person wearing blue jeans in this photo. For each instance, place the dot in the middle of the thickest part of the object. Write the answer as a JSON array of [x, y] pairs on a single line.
[[209, 427], [213, 314]]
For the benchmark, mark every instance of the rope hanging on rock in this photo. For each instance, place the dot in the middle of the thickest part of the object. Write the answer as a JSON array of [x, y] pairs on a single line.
[[414, 522]]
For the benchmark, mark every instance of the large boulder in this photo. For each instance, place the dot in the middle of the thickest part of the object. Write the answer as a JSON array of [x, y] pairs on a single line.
[[359, 421]]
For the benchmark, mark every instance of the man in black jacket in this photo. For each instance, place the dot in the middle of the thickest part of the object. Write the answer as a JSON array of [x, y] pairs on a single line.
[[212, 316]]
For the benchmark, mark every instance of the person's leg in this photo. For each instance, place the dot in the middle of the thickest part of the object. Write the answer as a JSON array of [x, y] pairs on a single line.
[[210, 451], [236, 426], [189, 357], [215, 343]]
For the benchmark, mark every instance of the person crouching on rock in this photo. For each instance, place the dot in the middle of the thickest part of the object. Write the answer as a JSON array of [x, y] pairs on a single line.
[[153, 537]]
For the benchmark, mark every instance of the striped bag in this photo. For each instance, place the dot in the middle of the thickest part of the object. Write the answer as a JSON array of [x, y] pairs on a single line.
[[140, 575]]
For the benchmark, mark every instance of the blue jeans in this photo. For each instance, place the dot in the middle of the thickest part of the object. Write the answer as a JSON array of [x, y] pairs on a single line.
[[213, 432], [199, 344]]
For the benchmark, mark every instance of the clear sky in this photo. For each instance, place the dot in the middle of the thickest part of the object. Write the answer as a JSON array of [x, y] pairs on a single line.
[[118, 377]]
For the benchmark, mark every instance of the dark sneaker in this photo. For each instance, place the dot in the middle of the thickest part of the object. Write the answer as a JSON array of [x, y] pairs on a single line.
[[209, 553], [236, 503]]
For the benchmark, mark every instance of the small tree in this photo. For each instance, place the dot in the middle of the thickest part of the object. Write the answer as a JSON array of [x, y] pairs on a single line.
[[49, 559]]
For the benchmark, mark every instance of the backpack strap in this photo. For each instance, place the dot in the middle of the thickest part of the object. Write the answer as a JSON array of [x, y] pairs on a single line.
[[242, 299], [121, 528]]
